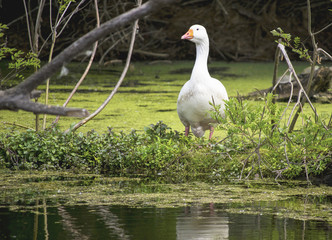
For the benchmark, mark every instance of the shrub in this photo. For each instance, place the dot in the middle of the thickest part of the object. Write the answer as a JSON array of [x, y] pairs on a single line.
[[259, 137]]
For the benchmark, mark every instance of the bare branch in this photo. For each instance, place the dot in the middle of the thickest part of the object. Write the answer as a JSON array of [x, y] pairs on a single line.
[[86, 41], [324, 52], [124, 72], [292, 70], [324, 28], [15, 103], [15, 98], [87, 68]]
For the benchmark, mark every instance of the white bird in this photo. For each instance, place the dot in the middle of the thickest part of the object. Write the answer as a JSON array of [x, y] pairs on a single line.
[[194, 99]]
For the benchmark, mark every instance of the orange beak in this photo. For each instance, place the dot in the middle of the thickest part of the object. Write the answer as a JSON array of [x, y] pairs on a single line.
[[188, 35]]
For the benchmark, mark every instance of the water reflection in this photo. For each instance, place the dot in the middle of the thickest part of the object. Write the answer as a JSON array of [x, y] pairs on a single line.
[[194, 222], [199, 222]]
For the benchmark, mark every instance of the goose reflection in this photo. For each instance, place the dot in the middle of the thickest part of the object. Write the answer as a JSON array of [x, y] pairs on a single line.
[[198, 222]]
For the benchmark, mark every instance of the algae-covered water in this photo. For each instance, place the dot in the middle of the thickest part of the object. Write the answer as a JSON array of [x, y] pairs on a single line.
[[50, 205], [53, 205], [147, 95]]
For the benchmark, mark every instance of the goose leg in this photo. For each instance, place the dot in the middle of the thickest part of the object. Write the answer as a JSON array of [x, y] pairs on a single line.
[[186, 131], [211, 132]]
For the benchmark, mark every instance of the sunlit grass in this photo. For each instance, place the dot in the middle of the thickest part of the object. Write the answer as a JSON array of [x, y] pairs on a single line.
[[148, 94]]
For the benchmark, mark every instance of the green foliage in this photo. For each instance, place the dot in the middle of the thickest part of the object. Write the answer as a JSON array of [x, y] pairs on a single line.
[[18, 59], [295, 44], [257, 143], [258, 136], [2, 28], [159, 151], [63, 4]]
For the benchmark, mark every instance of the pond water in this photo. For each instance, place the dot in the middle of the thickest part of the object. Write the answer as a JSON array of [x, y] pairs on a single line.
[[206, 221]]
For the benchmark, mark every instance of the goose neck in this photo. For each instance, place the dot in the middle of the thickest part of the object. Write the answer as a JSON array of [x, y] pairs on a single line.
[[202, 53]]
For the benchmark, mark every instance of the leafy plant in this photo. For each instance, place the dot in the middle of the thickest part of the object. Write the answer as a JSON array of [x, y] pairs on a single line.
[[18, 59], [258, 136], [295, 44], [158, 152], [254, 145]]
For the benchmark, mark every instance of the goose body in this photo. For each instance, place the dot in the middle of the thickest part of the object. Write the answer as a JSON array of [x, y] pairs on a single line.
[[194, 99]]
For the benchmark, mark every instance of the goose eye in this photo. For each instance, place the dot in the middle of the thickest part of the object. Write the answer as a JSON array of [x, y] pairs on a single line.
[[197, 29]]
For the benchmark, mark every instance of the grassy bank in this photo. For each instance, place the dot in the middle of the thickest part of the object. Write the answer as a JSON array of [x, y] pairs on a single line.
[[108, 144]]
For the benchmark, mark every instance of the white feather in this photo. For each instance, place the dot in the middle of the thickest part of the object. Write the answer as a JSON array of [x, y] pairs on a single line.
[[194, 99]]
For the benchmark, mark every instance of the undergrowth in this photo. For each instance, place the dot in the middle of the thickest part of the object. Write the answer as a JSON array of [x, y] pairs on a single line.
[[258, 144], [158, 152], [258, 134]]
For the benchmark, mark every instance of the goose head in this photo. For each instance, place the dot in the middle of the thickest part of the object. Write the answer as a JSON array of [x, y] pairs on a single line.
[[197, 34]]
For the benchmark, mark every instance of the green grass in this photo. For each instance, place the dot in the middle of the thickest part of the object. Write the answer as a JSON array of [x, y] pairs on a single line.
[[148, 94]]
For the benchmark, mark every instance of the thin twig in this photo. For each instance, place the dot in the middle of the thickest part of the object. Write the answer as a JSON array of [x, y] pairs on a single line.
[[291, 68], [324, 52], [275, 72], [28, 25], [298, 103], [312, 63], [245, 163], [324, 28], [221, 5], [279, 80], [87, 68], [17, 125], [124, 72]]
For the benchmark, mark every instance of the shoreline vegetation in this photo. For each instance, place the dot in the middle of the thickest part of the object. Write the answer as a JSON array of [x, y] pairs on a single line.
[[243, 147], [107, 162]]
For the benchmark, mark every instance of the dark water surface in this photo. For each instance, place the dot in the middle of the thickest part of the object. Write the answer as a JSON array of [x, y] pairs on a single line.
[[112, 222]]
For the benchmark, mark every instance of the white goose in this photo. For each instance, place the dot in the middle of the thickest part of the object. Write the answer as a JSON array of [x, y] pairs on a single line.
[[193, 103]]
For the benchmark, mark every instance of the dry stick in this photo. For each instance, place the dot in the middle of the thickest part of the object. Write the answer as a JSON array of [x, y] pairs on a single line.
[[48, 80], [28, 25], [324, 28], [275, 72], [62, 19], [306, 167], [291, 68], [34, 41], [324, 52], [55, 35], [290, 95], [312, 63], [17, 97], [109, 49], [87, 68], [124, 72], [37, 26], [17, 125], [221, 5], [274, 80], [298, 103], [279, 172]]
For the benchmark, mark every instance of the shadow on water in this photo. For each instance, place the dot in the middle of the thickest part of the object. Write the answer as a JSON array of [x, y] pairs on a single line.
[[208, 221]]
